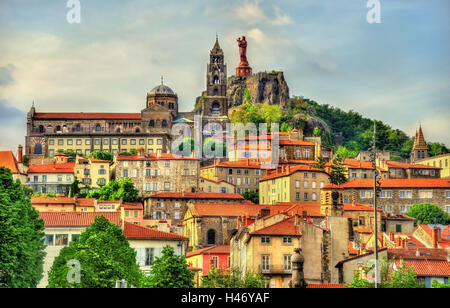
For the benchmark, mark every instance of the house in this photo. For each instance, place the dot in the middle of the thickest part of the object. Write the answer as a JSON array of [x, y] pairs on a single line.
[[357, 169], [207, 258], [18, 169], [397, 223], [91, 173], [216, 186], [132, 212], [433, 236], [54, 204], [61, 228], [149, 243], [54, 178], [440, 161], [292, 184]]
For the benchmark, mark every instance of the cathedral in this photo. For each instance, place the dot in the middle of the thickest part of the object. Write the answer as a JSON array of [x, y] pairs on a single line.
[[51, 132]]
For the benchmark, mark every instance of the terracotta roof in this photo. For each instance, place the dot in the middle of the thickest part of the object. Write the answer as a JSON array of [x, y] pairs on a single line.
[[197, 195], [217, 181], [231, 210], [364, 230], [288, 170], [419, 253], [397, 183], [243, 163], [427, 267], [83, 116], [295, 142], [325, 286], [359, 207], [445, 233], [53, 168], [76, 219], [155, 156], [357, 164], [52, 200], [219, 249], [133, 231], [397, 164], [389, 216], [8, 160], [108, 201], [291, 208], [285, 227], [132, 206], [86, 202]]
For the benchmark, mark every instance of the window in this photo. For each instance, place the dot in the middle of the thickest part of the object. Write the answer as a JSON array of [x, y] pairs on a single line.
[[60, 142], [425, 194], [150, 141], [98, 128], [297, 196], [141, 141], [125, 173], [398, 228], [386, 194], [405, 194], [61, 239], [287, 263], [101, 182], [136, 214], [124, 142], [214, 261], [51, 142], [49, 240], [87, 141], [297, 184], [287, 240], [69, 141], [133, 141], [305, 184], [211, 237], [362, 221], [447, 194], [102, 171], [306, 196], [159, 141], [149, 256], [127, 213], [177, 215], [314, 196], [265, 240], [265, 263], [166, 186]]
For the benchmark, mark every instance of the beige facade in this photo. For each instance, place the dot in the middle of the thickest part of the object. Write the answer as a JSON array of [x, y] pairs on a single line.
[[213, 186], [91, 173]]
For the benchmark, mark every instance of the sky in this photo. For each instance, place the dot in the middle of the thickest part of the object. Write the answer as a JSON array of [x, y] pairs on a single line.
[[396, 71]]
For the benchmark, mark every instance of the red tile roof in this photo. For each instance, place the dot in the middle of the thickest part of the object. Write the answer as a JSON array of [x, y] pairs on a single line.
[[397, 183], [76, 219], [358, 207], [83, 116], [133, 206], [296, 142], [86, 202], [197, 195], [136, 232], [288, 170], [445, 233], [291, 208], [243, 163], [52, 200], [216, 181], [230, 210], [155, 156], [357, 164], [428, 268], [8, 160], [219, 249], [419, 253], [285, 227], [397, 164], [52, 168]]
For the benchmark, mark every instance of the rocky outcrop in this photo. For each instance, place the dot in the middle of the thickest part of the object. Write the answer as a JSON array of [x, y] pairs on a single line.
[[270, 88]]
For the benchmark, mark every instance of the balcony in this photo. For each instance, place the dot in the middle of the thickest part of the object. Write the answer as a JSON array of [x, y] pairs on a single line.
[[275, 270]]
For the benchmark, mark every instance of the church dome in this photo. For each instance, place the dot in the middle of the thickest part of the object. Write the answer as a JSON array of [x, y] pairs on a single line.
[[162, 89]]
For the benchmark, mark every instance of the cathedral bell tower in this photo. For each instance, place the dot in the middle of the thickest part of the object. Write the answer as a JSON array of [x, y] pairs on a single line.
[[215, 103]]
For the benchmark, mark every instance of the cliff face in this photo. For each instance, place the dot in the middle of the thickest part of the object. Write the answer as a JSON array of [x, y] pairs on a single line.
[[270, 88]]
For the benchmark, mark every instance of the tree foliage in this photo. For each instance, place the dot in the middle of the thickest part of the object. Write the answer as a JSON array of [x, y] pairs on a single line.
[[21, 236], [320, 163], [74, 188], [231, 278], [104, 255], [438, 285], [116, 190], [427, 213], [102, 155], [169, 271], [338, 173], [257, 114], [401, 276], [251, 195]]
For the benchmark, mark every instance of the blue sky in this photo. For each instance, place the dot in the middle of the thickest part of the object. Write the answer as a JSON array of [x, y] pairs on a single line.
[[396, 71]]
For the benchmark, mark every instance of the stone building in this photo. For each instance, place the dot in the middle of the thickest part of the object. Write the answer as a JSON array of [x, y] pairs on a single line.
[[420, 148], [173, 205], [362, 169], [400, 170], [153, 173], [91, 173], [216, 186], [244, 174], [83, 132], [292, 184], [398, 195], [441, 161]]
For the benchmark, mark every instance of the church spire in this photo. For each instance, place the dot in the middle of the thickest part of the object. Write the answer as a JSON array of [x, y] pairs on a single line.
[[419, 141], [217, 50]]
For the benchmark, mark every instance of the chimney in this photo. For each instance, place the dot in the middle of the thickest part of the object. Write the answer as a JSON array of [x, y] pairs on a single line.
[[296, 223], [265, 212], [141, 153], [19, 154], [435, 237]]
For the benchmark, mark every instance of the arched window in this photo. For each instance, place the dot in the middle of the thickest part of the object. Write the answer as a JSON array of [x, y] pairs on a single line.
[[41, 129], [138, 130], [98, 128], [58, 128], [216, 80], [118, 130], [216, 92], [211, 237], [78, 128], [38, 149], [164, 123], [152, 123], [215, 108]]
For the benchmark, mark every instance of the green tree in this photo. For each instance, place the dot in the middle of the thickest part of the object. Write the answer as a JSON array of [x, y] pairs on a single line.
[[427, 213], [231, 278], [104, 255], [102, 155], [116, 190], [436, 148], [402, 277], [338, 173], [21, 236], [320, 163], [251, 195], [74, 188], [285, 127], [71, 155], [169, 271], [438, 285]]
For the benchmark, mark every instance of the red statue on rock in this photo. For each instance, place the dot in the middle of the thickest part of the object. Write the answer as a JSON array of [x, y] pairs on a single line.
[[243, 69]]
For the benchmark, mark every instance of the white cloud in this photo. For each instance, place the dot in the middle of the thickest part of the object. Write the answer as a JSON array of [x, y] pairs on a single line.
[[251, 13]]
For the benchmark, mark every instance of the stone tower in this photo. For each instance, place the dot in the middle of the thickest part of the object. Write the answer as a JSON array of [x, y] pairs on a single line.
[[331, 201], [420, 148], [215, 103]]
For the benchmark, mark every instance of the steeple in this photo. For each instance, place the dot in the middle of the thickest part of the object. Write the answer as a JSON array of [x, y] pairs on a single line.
[[420, 148], [419, 142], [216, 50]]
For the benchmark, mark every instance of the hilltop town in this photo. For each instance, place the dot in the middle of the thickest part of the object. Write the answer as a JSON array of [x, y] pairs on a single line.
[[249, 209]]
